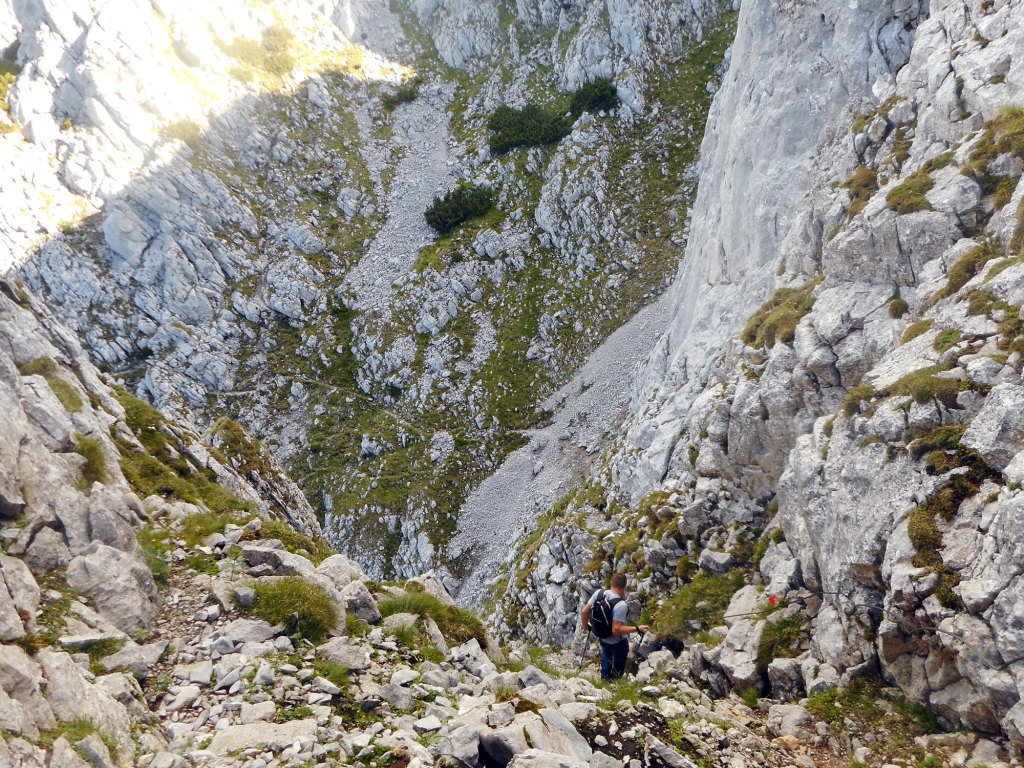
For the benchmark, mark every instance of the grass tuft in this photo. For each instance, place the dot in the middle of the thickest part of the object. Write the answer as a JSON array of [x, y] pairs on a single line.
[[455, 624], [701, 604], [298, 604], [778, 317]]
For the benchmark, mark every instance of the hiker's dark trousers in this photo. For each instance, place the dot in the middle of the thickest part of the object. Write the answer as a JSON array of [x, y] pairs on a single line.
[[613, 659]]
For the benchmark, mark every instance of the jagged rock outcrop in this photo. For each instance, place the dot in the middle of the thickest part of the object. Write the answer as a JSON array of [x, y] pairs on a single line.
[[866, 416]]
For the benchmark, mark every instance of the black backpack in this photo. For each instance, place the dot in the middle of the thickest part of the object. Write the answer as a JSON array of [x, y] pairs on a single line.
[[601, 613]]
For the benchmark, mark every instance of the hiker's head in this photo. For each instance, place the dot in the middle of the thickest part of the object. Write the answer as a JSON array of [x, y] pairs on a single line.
[[619, 583]]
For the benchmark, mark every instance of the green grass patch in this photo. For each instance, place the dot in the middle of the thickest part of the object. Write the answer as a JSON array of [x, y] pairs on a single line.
[[455, 624], [700, 604], [916, 329], [298, 543], [909, 197], [94, 470], [862, 184], [778, 317], [855, 397], [965, 268], [76, 730], [156, 470], [155, 548], [47, 368], [297, 604], [781, 639], [922, 385], [946, 339], [9, 72]]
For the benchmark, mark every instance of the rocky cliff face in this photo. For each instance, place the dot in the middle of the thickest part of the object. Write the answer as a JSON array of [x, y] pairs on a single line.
[[251, 242], [853, 444]]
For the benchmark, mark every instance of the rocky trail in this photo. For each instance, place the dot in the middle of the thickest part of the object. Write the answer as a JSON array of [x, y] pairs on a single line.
[[586, 410]]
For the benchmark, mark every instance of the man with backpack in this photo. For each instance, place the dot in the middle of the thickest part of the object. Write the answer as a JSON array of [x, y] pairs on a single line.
[[605, 616]]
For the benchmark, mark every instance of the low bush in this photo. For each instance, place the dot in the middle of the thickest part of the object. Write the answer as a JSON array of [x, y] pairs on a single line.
[[898, 308], [297, 604], [272, 54], [778, 317], [531, 126], [187, 132], [404, 94], [455, 624], [596, 96], [457, 207], [8, 74]]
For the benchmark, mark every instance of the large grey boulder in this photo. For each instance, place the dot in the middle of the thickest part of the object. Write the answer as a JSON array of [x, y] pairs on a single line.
[[22, 680], [360, 603], [340, 651], [120, 586], [19, 598], [997, 433], [340, 570], [554, 733], [538, 758], [501, 745], [790, 720]]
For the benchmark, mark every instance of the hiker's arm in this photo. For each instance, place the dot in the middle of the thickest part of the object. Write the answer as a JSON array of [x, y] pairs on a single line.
[[586, 617], [618, 628]]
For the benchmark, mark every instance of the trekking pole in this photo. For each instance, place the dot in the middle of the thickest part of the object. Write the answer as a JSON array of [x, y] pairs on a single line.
[[583, 653], [636, 650]]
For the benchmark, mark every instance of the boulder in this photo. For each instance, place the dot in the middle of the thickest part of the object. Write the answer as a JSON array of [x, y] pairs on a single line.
[[274, 736], [997, 432], [503, 744], [790, 720], [339, 651], [432, 586], [120, 586], [340, 570], [537, 758], [360, 603], [554, 733], [716, 562], [19, 598], [669, 756]]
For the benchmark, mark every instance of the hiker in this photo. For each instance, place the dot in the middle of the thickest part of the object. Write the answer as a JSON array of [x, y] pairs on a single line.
[[605, 616]]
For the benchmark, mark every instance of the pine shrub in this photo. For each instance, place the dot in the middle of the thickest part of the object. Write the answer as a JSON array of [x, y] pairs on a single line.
[[595, 96], [457, 207]]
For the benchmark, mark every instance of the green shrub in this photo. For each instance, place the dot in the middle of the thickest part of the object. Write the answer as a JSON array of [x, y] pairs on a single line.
[[94, 470], [595, 96], [778, 317], [1002, 134], [701, 604], [297, 604], [197, 527], [898, 308], [454, 623], [862, 184], [457, 207], [404, 94], [531, 126], [855, 397]]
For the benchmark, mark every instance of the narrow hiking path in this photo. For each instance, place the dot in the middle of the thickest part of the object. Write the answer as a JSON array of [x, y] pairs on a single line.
[[587, 410], [420, 135]]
